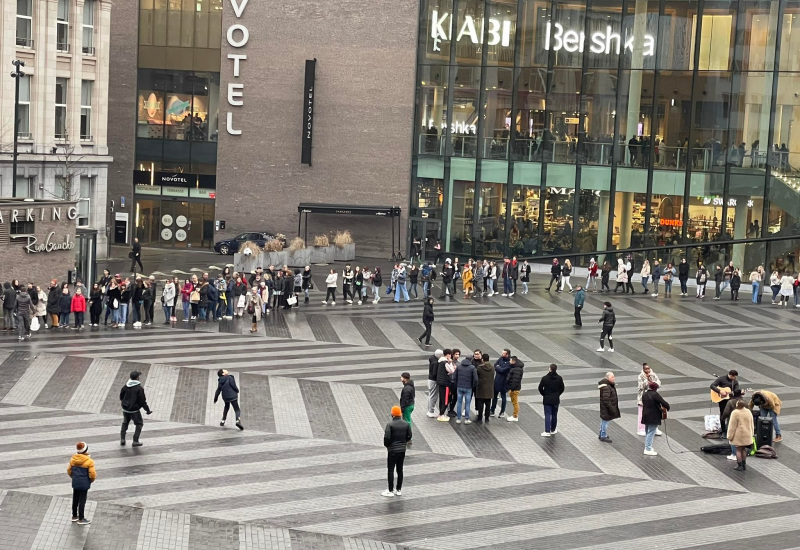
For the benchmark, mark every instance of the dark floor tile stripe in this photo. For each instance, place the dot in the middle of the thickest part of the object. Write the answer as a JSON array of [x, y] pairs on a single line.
[[189, 404], [112, 404], [382, 399], [256, 402], [479, 440], [21, 515], [370, 331], [114, 527], [323, 412], [59, 389], [322, 329], [13, 368], [275, 325], [559, 448]]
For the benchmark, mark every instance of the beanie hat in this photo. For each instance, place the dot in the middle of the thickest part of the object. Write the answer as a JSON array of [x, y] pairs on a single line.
[[653, 386], [82, 447], [396, 411]]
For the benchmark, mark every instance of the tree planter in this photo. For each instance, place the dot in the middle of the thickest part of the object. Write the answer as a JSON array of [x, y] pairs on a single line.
[[278, 259], [323, 254], [300, 258], [246, 264], [346, 253]]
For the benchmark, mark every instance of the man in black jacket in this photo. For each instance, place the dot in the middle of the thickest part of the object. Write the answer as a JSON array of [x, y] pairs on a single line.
[[395, 438], [136, 256], [609, 405], [514, 386], [132, 399], [550, 388], [24, 310], [427, 320], [724, 386], [555, 273], [407, 396], [609, 319], [9, 306], [433, 387], [226, 386]]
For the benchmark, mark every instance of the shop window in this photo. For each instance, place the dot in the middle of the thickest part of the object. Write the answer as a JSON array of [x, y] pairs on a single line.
[[428, 198], [62, 26], [563, 116], [524, 220], [528, 122], [497, 116], [25, 23], [87, 44], [493, 219], [558, 210], [461, 212]]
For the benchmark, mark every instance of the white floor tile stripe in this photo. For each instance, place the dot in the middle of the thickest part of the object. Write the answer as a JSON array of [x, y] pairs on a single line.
[[346, 330], [299, 327], [161, 530], [288, 407], [447, 338], [552, 349], [399, 360], [85, 434], [749, 375], [486, 537], [679, 365], [33, 381], [396, 335], [439, 436], [357, 414], [90, 395], [162, 381], [56, 529], [259, 537], [519, 445]]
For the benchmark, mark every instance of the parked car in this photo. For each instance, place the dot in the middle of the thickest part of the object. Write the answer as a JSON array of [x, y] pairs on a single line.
[[231, 246]]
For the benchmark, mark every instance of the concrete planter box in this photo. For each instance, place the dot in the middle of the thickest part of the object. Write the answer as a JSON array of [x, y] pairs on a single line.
[[323, 254], [278, 259], [347, 253], [300, 258], [246, 264]]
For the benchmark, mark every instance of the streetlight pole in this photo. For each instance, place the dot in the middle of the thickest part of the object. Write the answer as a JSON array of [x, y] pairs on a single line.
[[16, 74]]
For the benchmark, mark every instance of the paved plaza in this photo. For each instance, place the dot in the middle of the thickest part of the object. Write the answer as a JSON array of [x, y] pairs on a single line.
[[316, 388]]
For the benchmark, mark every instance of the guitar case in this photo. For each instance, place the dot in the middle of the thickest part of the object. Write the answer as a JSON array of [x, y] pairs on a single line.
[[721, 449]]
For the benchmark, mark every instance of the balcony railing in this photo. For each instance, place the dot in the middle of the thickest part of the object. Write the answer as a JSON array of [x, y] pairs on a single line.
[[25, 42], [24, 136], [87, 50], [87, 138], [62, 48]]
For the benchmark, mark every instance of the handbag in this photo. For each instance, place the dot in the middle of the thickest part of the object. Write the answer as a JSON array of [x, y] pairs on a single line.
[[291, 300], [240, 303], [194, 297], [35, 324], [251, 309], [114, 304]]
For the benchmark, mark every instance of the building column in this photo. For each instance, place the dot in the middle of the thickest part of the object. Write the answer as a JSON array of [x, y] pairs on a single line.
[[740, 223], [635, 84], [769, 66], [625, 219], [602, 224]]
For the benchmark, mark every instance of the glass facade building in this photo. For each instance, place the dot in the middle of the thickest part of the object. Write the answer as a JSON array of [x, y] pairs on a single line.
[[568, 127]]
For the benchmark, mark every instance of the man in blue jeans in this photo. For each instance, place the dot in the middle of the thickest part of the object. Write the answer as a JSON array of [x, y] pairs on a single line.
[[550, 388], [507, 287], [465, 379], [501, 368], [609, 405], [769, 404]]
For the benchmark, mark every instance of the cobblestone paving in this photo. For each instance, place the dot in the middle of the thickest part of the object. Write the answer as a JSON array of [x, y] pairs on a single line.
[[316, 387]]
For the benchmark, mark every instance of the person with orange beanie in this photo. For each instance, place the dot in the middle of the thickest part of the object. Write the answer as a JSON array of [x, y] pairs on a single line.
[[395, 438], [81, 470]]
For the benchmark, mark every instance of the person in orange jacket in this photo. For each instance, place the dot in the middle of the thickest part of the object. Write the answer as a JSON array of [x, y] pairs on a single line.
[[78, 307], [81, 470]]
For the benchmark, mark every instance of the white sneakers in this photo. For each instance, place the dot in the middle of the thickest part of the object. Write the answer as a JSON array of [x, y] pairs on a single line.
[[468, 421], [511, 294], [432, 415], [137, 324], [654, 295], [650, 452], [731, 457], [359, 302], [641, 433], [397, 492], [554, 431], [458, 421], [443, 419], [387, 493], [545, 434], [501, 415], [504, 295], [659, 432], [601, 349], [513, 419]]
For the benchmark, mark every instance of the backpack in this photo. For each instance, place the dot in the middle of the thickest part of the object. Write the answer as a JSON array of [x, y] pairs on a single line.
[[766, 452]]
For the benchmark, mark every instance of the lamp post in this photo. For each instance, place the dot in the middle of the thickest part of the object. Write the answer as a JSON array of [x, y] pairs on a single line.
[[16, 74]]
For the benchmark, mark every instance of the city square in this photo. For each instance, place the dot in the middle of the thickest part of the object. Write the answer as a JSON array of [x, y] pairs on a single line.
[[316, 386]]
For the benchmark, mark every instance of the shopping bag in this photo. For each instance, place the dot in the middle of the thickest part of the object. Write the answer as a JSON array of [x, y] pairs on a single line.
[[35, 324], [291, 300], [712, 423], [240, 303]]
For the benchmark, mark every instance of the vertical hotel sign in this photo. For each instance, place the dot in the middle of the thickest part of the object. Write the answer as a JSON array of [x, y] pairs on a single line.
[[308, 110], [237, 37]]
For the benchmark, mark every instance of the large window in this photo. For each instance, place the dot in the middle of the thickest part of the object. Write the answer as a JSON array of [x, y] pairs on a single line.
[[87, 44], [61, 108], [86, 109], [25, 23], [24, 108], [84, 200], [62, 26], [180, 23]]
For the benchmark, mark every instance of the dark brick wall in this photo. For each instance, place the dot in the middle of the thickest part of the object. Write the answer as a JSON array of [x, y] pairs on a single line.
[[363, 117], [122, 106]]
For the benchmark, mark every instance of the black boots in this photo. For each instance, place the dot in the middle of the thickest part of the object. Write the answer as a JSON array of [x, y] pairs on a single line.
[[122, 438], [137, 432], [739, 467]]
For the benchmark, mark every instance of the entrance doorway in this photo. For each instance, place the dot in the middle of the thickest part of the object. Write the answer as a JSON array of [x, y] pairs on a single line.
[[428, 233]]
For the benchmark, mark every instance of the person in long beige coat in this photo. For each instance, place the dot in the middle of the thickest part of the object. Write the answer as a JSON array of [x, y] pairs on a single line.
[[740, 433], [255, 299]]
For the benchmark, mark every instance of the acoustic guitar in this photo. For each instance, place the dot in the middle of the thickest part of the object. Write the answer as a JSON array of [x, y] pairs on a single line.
[[725, 394]]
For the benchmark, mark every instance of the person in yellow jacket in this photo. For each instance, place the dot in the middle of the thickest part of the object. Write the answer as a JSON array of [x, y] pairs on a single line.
[[466, 280], [81, 470], [769, 404]]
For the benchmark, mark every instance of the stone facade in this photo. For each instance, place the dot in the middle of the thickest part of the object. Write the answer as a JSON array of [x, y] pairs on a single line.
[[363, 116], [38, 267]]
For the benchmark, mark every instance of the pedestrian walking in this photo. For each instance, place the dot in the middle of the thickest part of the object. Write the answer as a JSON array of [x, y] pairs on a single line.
[[566, 272], [653, 406], [466, 380], [330, 283], [485, 389], [740, 433], [433, 387], [580, 297], [427, 320], [501, 368], [608, 319], [514, 385], [645, 377], [609, 405], [24, 309], [395, 438], [226, 386], [701, 278], [132, 399], [622, 278], [82, 472], [308, 283], [551, 386], [605, 274], [592, 278], [407, 395], [136, 256], [525, 276], [555, 274]]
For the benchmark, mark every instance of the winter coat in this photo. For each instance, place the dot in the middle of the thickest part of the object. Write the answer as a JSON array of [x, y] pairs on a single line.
[[652, 403], [643, 383], [41, 306], [9, 297], [204, 295], [566, 271], [113, 294], [550, 388], [501, 368], [609, 404], [407, 394], [257, 302], [331, 279], [740, 428], [81, 470], [226, 385], [580, 297], [396, 435], [555, 270], [78, 304], [683, 271], [306, 276], [609, 319], [526, 273], [442, 376], [65, 303], [168, 294], [514, 380], [96, 302], [772, 401], [736, 282], [485, 389], [427, 313], [24, 306], [466, 375], [132, 397], [433, 366], [53, 300]]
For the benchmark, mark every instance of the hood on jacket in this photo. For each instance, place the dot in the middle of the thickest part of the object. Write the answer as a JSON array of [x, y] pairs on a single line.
[[132, 383], [80, 460], [466, 361], [604, 382], [519, 364], [485, 366], [551, 375], [410, 383]]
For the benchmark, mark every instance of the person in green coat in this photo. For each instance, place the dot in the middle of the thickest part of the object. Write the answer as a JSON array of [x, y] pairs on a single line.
[[580, 297]]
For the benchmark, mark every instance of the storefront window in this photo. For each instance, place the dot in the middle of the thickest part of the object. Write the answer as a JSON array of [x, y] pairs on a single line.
[[432, 105], [558, 209], [529, 119], [712, 147], [464, 119], [428, 195], [563, 104], [492, 215], [524, 220], [497, 118]]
